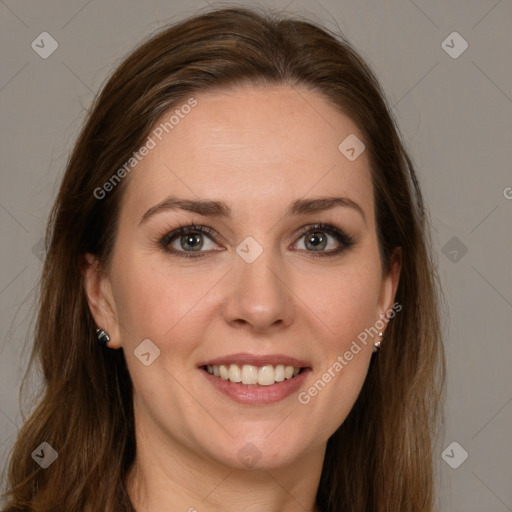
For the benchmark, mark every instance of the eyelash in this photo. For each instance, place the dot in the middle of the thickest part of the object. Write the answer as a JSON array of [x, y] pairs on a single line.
[[345, 240]]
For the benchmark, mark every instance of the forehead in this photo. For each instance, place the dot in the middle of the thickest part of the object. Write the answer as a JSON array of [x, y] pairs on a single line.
[[252, 146]]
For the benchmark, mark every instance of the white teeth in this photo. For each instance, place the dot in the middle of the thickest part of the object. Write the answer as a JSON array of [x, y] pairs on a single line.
[[235, 375], [279, 373], [249, 374], [265, 375], [224, 372]]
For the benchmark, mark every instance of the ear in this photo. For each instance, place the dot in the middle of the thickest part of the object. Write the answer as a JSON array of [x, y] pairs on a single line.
[[100, 299], [390, 283]]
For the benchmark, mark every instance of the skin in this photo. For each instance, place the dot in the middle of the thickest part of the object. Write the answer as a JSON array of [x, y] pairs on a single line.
[[257, 149]]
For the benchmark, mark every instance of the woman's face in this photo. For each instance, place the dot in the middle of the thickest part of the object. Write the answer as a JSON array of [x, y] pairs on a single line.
[[263, 289]]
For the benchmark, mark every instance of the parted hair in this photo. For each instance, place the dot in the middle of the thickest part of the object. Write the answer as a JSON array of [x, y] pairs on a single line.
[[380, 459]]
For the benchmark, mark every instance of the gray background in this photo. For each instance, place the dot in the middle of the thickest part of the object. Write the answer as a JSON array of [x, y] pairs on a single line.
[[455, 115]]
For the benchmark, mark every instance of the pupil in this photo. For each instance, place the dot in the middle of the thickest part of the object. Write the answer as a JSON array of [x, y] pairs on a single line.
[[193, 241], [317, 239]]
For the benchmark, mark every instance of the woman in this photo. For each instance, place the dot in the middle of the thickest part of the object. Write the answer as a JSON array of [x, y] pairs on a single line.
[[241, 219]]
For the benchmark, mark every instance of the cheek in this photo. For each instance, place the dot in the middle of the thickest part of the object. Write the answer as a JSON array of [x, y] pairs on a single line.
[[154, 302], [157, 300], [345, 302], [347, 306]]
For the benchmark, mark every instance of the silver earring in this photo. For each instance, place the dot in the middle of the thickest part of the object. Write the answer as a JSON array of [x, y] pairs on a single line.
[[103, 337], [376, 345]]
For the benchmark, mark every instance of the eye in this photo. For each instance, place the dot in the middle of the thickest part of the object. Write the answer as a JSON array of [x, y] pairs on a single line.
[[188, 239], [316, 240]]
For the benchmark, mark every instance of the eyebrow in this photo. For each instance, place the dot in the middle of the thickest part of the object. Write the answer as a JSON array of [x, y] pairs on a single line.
[[210, 208]]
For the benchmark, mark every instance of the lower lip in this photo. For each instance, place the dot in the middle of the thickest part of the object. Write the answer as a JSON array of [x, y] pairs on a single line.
[[257, 395]]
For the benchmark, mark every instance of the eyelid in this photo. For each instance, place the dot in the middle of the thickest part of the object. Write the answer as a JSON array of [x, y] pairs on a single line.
[[183, 229], [328, 228]]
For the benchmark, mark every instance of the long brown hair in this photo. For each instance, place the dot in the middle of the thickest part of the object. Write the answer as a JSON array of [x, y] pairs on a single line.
[[380, 458]]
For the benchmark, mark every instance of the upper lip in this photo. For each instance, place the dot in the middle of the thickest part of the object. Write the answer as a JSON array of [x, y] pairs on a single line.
[[256, 360]]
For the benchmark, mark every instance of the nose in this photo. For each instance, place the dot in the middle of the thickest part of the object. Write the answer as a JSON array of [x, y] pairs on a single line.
[[260, 297]]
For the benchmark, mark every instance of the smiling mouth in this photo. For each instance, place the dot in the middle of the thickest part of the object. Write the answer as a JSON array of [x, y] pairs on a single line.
[[251, 375]]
